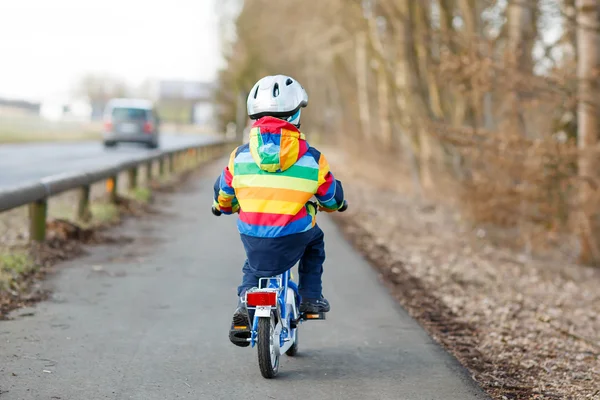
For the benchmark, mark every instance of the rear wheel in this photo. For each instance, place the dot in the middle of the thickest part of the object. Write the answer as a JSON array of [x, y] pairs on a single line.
[[268, 359], [109, 144]]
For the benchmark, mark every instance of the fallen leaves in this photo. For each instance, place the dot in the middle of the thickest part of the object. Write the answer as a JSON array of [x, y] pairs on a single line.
[[525, 328]]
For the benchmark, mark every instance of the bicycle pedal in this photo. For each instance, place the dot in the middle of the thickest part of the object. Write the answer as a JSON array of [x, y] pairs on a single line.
[[313, 316]]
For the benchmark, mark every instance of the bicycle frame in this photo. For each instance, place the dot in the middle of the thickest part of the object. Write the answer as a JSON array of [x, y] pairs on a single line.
[[286, 321], [277, 317]]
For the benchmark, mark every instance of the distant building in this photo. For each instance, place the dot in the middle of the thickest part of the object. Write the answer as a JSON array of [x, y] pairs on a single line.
[[18, 106]]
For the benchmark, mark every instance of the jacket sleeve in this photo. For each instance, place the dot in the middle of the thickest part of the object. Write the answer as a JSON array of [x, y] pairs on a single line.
[[224, 193], [330, 194]]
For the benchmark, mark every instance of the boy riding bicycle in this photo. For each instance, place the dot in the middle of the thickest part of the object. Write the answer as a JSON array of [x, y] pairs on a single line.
[[270, 182]]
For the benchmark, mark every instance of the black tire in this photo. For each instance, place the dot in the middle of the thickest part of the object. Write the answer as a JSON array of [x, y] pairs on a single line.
[[292, 351], [110, 144], [268, 363], [152, 145]]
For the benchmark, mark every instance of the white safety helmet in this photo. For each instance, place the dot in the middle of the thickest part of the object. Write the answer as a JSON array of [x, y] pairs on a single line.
[[277, 96]]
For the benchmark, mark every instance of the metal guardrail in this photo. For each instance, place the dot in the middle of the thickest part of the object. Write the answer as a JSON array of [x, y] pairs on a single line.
[[36, 194]]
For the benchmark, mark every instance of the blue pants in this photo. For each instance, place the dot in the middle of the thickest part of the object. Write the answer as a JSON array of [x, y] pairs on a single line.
[[273, 256]]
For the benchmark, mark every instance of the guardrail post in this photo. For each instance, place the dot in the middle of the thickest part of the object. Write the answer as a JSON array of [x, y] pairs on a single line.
[[37, 220], [191, 157], [161, 167], [83, 208], [171, 163], [148, 173], [133, 175], [111, 188]]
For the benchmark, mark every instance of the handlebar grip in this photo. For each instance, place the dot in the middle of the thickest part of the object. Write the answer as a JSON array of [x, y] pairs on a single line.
[[344, 207], [216, 212]]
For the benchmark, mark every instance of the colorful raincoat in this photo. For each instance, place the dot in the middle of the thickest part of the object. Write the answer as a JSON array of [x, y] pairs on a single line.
[[271, 179]]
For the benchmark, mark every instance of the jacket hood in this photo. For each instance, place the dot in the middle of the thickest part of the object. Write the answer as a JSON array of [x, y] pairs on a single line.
[[276, 144]]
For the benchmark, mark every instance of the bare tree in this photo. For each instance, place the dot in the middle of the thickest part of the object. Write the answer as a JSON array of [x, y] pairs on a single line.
[[587, 118], [457, 92]]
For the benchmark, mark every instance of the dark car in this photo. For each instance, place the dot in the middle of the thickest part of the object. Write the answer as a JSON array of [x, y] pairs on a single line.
[[131, 120]]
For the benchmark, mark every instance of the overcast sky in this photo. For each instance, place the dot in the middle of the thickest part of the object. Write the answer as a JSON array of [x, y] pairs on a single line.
[[46, 45]]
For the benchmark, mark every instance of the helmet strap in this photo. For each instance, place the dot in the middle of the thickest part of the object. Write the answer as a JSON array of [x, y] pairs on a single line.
[[295, 119]]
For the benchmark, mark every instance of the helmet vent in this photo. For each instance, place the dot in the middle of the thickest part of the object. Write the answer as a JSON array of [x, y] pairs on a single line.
[[256, 91], [276, 90], [289, 82]]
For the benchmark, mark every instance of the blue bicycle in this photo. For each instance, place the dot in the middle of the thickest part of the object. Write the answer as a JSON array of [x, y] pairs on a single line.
[[275, 304]]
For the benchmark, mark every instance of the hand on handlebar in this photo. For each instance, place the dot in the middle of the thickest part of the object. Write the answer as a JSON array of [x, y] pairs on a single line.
[[343, 208], [216, 212]]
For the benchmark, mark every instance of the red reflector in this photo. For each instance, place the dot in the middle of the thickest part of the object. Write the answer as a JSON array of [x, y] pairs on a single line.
[[261, 299], [148, 127], [108, 125]]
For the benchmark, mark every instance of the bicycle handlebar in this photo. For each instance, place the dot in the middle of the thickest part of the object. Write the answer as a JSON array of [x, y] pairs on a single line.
[[343, 208]]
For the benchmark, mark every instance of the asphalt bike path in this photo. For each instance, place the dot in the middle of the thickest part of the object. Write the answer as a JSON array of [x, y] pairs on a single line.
[[149, 320]]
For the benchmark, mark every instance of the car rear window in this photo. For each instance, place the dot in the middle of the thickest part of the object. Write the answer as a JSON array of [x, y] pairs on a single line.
[[137, 114]]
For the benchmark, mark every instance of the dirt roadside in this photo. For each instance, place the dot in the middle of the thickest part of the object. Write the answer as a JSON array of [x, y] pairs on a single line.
[[23, 267], [525, 329]]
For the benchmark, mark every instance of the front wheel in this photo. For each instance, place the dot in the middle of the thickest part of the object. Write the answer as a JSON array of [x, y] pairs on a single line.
[[268, 358]]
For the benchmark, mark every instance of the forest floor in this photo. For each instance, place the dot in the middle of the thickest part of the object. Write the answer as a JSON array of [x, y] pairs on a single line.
[[525, 328]]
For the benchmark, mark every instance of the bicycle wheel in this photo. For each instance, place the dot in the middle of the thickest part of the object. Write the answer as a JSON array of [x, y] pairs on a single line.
[[268, 359]]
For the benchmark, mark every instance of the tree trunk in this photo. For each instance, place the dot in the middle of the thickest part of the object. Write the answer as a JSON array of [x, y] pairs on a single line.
[[521, 32], [521, 21], [361, 83], [587, 119], [407, 104], [384, 106], [424, 89]]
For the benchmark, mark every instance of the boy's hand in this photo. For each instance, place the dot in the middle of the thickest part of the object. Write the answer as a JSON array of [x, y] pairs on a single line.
[[216, 209]]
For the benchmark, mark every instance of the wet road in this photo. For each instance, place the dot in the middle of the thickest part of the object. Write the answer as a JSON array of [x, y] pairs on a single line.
[[22, 163]]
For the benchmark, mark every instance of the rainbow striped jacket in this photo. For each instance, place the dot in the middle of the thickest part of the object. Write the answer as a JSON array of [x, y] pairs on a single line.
[[271, 179]]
